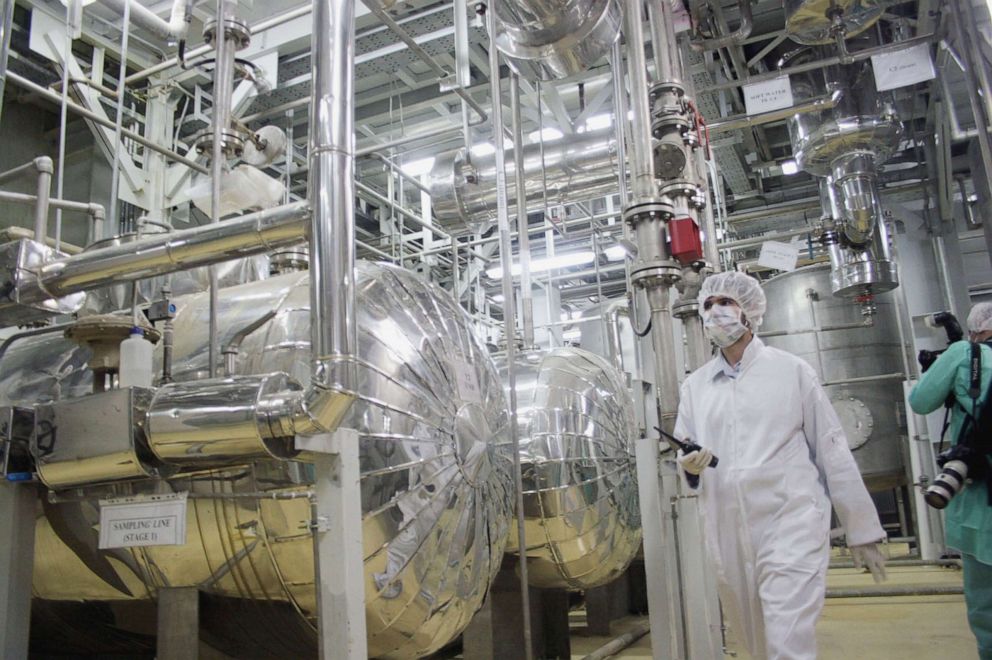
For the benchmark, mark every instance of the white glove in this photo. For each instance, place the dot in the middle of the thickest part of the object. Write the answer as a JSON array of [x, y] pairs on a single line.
[[695, 461], [870, 557]]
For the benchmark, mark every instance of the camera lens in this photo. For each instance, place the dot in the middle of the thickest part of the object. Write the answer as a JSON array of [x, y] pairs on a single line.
[[948, 483]]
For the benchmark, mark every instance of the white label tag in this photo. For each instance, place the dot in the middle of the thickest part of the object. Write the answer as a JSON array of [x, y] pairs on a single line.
[[466, 381], [780, 256], [903, 67], [769, 95], [129, 522]]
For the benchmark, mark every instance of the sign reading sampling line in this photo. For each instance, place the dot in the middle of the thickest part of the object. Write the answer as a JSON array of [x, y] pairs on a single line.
[[768, 95], [139, 520], [780, 256], [903, 67]]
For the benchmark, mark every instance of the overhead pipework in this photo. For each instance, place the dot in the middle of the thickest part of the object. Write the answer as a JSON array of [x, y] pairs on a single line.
[[844, 146], [822, 22], [550, 40]]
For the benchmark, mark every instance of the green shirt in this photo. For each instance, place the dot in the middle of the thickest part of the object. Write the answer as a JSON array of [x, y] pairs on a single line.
[[968, 518]]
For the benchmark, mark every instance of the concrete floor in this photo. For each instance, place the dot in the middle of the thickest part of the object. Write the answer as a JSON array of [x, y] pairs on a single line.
[[879, 628]]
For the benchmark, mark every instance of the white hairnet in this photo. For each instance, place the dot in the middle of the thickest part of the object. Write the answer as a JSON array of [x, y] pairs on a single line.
[[980, 317], [744, 289]]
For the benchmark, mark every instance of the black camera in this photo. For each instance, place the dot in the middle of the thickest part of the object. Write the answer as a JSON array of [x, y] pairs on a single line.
[[951, 327], [954, 464]]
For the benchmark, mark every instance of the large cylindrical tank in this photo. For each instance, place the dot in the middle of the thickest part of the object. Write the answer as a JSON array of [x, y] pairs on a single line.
[[872, 411], [436, 491], [577, 431]]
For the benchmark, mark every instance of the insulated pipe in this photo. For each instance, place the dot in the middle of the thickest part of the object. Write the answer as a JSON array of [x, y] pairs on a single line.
[[174, 28], [45, 171], [667, 59], [643, 187], [160, 254], [544, 40], [333, 323], [738, 122]]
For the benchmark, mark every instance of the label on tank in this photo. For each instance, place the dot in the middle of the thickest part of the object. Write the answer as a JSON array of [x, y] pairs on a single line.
[[768, 95], [780, 256], [466, 381], [142, 520]]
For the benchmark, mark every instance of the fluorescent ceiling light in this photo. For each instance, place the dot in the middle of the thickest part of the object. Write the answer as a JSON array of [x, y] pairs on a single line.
[[547, 135], [572, 335], [789, 167], [418, 167], [547, 263], [599, 122], [616, 253], [488, 149], [498, 298]]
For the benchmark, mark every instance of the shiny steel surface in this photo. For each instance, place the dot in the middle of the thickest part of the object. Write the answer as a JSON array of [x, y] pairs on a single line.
[[577, 433], [549, 39], [577, 168], [19, 264], [808, 21], [436, 487], [863, 120], [248, 235], [842, 354]]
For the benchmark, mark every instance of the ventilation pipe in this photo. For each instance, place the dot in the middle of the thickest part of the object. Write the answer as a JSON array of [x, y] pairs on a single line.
[[551, 40]]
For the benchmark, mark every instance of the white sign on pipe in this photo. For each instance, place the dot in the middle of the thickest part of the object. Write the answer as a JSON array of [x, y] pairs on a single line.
[[780, 256], [140, 520], [768, 95], [903, 67]]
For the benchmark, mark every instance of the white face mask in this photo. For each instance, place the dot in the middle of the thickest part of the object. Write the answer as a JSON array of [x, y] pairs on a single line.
[[723, 325]]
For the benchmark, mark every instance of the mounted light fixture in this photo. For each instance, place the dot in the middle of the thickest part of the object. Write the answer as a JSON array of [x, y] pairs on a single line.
[[547, 263]]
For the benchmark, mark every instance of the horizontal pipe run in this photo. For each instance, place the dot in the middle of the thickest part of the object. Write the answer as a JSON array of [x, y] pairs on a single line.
[[735, 38], [17, 233], [33, 166], [103, 121], [866, 379], [826, 328], [619, 643], [820, 64], [174, 28], [738, 122], [905, 590], [891, 563], [412, 217], [168, 253]]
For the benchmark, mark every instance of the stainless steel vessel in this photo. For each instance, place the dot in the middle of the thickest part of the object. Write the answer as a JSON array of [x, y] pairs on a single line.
[[872, 410], [812, 21], [436, 486], [577, 434]]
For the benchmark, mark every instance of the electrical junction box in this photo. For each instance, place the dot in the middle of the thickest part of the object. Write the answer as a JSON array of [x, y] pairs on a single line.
[[687, 244]]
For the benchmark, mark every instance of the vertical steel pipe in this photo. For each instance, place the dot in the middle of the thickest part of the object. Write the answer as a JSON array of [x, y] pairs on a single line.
[[6, 25], [45, 171], [332, 188], [509, 316], [641, 160], [667, 59], [523, 235]]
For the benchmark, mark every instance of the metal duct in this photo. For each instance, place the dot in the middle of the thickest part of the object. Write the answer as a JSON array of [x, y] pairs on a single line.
[[436, 486], [577, 433], [575, 168], [550, 39]]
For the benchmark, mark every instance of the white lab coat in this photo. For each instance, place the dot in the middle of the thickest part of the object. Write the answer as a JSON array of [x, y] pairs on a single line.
[[766, 512]]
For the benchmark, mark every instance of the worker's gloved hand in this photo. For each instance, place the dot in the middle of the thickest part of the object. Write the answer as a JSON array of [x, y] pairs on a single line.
[[695, 461], [870, 557]]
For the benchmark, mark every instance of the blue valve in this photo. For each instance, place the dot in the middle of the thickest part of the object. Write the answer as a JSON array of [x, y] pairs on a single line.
[[20, 476]]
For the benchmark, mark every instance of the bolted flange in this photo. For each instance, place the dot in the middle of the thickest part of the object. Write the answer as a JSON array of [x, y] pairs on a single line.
[[651, 209], [234, 29]]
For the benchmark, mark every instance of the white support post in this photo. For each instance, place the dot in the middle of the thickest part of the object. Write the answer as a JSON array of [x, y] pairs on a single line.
[[17, 511], [660, 557], [923, 468], [701, 603], [337, 534]]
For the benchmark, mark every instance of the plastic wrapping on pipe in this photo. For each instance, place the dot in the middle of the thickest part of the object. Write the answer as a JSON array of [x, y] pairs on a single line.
[[577, 431], [810, 21], [436, 486], [550, 40]]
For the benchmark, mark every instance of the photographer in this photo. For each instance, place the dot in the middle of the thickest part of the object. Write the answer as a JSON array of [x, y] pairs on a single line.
[[968, 515]]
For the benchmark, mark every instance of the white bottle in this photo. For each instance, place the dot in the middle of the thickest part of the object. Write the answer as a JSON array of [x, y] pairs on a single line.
[[136, 360]]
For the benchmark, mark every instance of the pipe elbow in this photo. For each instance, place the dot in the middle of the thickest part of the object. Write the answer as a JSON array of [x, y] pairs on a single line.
[[44, 165]]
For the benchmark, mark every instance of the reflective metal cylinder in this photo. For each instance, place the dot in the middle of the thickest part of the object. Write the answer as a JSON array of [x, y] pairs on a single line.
[[577, 434], [872, 413], [545, 40], [576, 168], [436, 487]]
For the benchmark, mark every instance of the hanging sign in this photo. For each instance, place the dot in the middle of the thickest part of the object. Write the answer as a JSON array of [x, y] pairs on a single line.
[[139, 520], [768, 95], [780, 256], [903, 67]]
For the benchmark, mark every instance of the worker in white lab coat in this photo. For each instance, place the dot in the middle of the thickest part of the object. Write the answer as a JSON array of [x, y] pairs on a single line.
[[783, 459]]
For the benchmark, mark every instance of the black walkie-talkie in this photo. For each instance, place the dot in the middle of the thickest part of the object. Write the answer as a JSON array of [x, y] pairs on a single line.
[[687, 448]]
